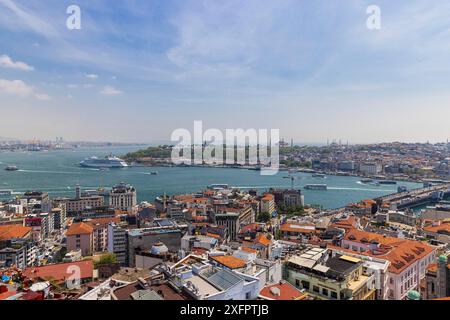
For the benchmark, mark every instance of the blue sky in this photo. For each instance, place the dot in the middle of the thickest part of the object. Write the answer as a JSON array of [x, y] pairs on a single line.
[[139, 69]]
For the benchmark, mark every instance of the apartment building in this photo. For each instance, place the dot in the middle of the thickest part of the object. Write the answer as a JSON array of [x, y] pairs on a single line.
[[408, 259], [329, 277], [123, 197]]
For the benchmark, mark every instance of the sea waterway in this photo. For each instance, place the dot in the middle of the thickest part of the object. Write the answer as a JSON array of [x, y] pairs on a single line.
[[57, 172]]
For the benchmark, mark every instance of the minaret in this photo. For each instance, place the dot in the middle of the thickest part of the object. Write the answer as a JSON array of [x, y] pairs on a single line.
[[77, 191]]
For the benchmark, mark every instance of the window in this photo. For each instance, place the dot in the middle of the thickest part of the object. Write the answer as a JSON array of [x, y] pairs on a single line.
[[325, 292], [334, 294], [316, 289], [248, 295], [391, 281], [305, 284], [297, 283]]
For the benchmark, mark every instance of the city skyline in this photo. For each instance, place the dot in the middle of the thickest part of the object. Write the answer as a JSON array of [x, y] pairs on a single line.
[[313, 70]]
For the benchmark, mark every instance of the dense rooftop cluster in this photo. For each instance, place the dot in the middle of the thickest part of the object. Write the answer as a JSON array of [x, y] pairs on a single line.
[[219, 243]]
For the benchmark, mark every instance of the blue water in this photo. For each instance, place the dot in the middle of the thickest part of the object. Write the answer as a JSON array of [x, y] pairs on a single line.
[[57, 172]]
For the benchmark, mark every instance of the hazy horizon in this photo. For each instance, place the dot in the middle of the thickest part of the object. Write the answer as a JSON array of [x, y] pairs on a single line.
[[138, 70]]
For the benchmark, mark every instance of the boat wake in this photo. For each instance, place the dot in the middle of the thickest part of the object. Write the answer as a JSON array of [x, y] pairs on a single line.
[[54, 172], [362, 189]]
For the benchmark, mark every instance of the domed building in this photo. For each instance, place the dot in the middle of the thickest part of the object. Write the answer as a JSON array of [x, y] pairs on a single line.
[[413, 295], [438, 279], [159, 249]]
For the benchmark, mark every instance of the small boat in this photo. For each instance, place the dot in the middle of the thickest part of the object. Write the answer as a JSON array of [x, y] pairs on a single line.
[[366, 180], [316, 187], [11, 168], [387, 182], [154, 173], [319, 175]]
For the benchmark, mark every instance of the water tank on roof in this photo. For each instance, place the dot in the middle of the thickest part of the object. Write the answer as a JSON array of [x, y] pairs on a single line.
[[159, 248]]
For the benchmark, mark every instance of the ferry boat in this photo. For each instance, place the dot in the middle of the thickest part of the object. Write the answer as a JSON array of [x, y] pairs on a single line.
[[316, 187], [107, 162], [387, 182], [11, 168], [5, 193]]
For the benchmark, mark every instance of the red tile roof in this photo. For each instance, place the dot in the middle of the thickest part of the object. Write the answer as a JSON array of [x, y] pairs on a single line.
[[262, 239], [251, 250], [286, 292], [61, 271], [435, 229], [79, 228], [230, 261], [13, 231], [293, 227], [400, 252]]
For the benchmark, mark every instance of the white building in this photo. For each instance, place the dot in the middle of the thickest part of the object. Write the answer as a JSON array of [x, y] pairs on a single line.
[[370, 168], [123, 197]]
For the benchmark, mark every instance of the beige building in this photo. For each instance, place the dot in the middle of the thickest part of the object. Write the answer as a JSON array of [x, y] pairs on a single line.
[[330, 278], [80, 236]]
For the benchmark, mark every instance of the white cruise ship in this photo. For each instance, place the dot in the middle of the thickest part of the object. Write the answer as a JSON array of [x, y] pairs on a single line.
[[107, 162]]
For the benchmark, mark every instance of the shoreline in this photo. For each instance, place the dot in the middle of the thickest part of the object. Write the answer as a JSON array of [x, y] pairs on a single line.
[[302, 170]]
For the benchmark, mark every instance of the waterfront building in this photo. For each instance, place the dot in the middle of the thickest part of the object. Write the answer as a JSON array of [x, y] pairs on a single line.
[[370, 168], [288, 197], [81, 203], [123, 197], [346, 166], [39, 201]]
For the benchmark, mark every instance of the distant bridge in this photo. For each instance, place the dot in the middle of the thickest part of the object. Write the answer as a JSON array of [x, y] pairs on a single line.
[[417, 197]]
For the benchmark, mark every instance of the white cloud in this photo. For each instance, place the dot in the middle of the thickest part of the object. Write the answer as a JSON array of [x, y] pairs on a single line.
[[42, 96], [21, 89], [110, 91], [25, 18], [15, 87], [7, 62], [92, 76], [72, 86]]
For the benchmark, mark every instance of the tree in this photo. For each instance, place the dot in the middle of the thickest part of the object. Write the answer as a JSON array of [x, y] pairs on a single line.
[[107, 258], [263, 217]]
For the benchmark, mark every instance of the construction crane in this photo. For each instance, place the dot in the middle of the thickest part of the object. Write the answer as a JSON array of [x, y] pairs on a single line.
[[292, 178]]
